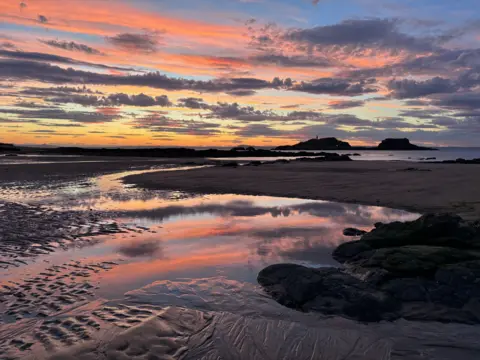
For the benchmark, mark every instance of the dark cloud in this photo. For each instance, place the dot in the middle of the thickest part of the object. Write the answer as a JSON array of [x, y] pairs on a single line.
[[444, 61], [292, 61], [368, 33], [137, 100], [238, 112], [4, 120], [192, 103], [337, 86], [56, 91], [43, 131], [50, 58], [159, 122], [54, 133], [422, 113], [85, 100], [72, 46], [460, 101], [42, 19], [29, 70], [56, 125], [235, 111], [416, 102], [256, 130], [385, 123], [141, 100], [338, 105], [406, 89], [60, 114], [470, 78], [31, 105], [145, 43], [241, 92]]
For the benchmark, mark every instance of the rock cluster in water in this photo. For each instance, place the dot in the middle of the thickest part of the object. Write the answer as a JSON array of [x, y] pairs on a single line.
[[462, 161], [427, 269], [324, 157]]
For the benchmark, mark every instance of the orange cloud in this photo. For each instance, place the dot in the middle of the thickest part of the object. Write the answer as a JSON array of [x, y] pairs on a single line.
[[108, 18]]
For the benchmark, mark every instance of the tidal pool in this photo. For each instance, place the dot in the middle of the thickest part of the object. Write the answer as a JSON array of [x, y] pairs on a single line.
[[182, 236], [171, 235]]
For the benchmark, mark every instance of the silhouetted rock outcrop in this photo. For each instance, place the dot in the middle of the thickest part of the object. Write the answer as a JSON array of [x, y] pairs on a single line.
[[425, 270], [400, 144], [8, 148], [243, 148], [335, 144], [330, 143]]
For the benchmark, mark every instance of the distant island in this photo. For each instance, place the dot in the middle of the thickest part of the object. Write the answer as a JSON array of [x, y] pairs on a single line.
[[332, 143]]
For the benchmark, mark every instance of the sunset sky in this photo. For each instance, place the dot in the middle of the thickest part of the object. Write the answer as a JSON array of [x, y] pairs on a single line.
[[229, 72]]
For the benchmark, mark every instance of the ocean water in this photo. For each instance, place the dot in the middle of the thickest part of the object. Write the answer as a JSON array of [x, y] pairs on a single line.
[[447, 153]]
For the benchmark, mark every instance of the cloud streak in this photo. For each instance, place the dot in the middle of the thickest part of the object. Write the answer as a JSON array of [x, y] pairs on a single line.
[[72, 46]]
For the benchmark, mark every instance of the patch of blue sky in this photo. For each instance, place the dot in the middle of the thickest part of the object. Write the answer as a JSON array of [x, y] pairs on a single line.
[[42, 32]]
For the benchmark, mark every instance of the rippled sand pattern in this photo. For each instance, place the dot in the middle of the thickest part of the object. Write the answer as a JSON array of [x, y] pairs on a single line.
[[29, 231]]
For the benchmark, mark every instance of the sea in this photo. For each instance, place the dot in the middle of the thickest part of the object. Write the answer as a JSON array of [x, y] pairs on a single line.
[[441, 154]]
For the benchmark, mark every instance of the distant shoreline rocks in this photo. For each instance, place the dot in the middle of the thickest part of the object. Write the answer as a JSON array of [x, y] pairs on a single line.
[[335, 144]]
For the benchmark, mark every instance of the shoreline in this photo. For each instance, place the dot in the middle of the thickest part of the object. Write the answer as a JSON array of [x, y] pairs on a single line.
[[419, 187]]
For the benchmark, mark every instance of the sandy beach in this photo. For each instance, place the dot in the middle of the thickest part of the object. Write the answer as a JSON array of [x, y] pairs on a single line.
[[419, 187], [61, 306]]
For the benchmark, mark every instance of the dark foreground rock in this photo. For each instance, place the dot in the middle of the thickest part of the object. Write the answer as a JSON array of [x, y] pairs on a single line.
[[426, 270]]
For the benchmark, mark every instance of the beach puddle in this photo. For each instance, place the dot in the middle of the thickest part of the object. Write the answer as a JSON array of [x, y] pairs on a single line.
[[168, 248], [233, 236]]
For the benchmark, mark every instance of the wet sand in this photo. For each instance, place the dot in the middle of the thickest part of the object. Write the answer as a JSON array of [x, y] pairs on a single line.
[[49, 168], [56, 314], [426, 188]]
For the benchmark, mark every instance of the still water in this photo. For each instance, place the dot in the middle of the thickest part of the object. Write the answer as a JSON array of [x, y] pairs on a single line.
[[176, 236]]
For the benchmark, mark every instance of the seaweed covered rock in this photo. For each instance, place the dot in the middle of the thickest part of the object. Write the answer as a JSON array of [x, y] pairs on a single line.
[[430, 230], [414, 260], [427, 269], [327, 290]]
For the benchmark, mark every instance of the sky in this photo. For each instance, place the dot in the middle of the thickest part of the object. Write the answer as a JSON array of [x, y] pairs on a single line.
[[236, 72]]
